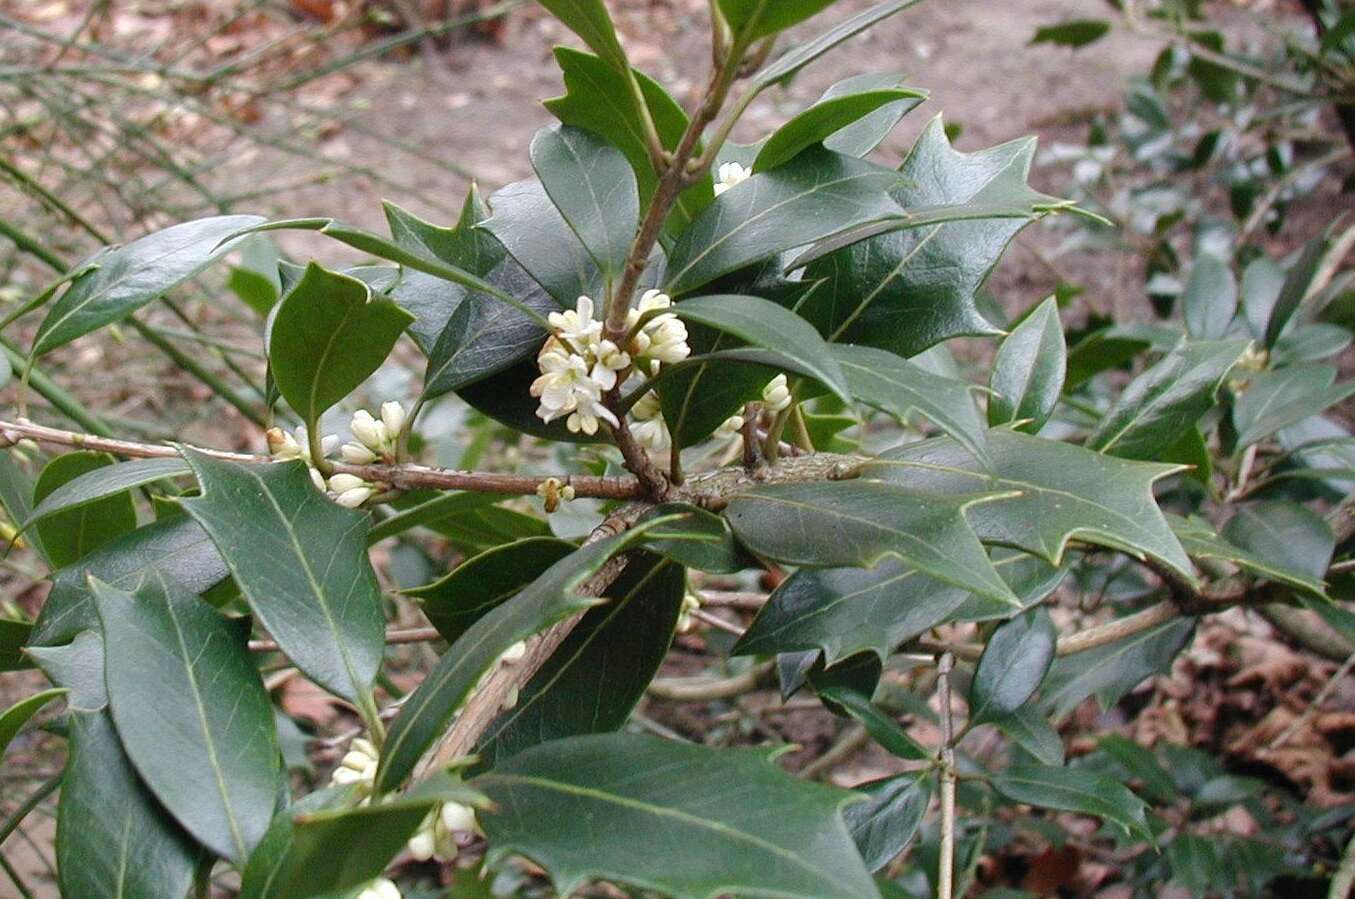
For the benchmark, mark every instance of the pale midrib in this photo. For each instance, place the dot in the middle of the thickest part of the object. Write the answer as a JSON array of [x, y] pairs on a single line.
[[320, 368], [585, 175]]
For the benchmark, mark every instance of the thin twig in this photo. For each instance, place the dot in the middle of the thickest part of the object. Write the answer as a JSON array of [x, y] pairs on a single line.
[[945, 871], [685, 689]]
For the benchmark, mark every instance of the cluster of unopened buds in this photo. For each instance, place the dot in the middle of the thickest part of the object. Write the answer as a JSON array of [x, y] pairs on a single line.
[[775, 398], [374, 440], [436, 837], [579, 366]]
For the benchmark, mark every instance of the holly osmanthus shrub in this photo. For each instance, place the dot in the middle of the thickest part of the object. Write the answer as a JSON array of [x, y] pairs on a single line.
[[728, 360]]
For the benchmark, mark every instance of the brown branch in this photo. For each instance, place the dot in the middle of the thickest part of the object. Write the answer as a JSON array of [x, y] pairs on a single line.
[[394, 637]]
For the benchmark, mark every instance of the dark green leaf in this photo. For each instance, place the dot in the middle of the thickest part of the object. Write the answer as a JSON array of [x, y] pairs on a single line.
[[1113, 346], [1073, 33], [1109, 672], [301, 561], [529, 226], [860, 522], [886, 822], [106, 481], [1200, 542], [882, 728], [591, 184], [1296, 283], [1277, 399], [1062, 492], [1284, 536], [1029, 730], [1142, 765], [1073, 790], [682, 820], [1013, 664], [13, 635], [591, 683], [16, 495], [428, 509], [699, 539], [130, 277], [71, 535], [17, 715], [1262, 281], [78, 667], [1162, 404], [1310, 343], [810, 198], [868, 132], [825, 118], [752, 19], [1209, 299], [329, 334], [1029, 370], [893, 384], [485, 582], [192, 713], [1195, 864], [549, 598], [589, 20], [598, 99], [795, 59]]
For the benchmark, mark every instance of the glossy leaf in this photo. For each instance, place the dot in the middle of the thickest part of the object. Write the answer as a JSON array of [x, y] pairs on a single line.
[[176, 548], [1061, 493], [590, 21], [549, 598], [192, 713], [77, 667], [69, 536], [615, 806], [815, 196], [1028, 371], [1277, 399], [752, 19], [698, 539], [797, 58], [887, 821], [1074, 790], [455, 602], [1073, 33], [13, 636], [1201, 542], [17, 715], [861, 522], [329, 334], [591, 683], [913, 287], [1109, 672], [1209, 299], [1285, 536], [591, 184], [1142, 765], [882, 728], [869, 131], [597, 98], [825, 118], [895, 385], [106, 481], [129, 277], [1162, 404], [301, 561], [1014, 663], [1027, 728], [534, 232], [1296, 284], [1262, 281]]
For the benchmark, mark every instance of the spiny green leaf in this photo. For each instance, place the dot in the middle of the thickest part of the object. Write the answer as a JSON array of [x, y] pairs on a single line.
[[868, 132], [129, 277], [192, 713], [682, 820], [1055, 492], [1201, 542], [70, 536], [590, 21], [860, 522], [1028, 371], [824, 119], [534, 232], [301, 561], [329, 334]]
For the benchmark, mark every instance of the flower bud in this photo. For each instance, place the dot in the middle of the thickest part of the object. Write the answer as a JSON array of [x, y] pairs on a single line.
[[318, 480], [776, 395], [381, 888], [393, 417], [357, 454], [368, 431], [514, 654], [351, 499], [342, 483], [458, 818]]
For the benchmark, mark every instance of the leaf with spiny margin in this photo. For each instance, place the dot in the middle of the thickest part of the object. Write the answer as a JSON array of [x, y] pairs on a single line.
[[847, 611], [1074, 790], [534, 233], [1055, 492], [790, 62], [593, 188], [590, 21], [908, 289], [590, 684], [106, 481], [482, 583], [860, 522], [752, 19], [1285, 536], [1028, 371], [1201, 542], [1014, 662], [868, 132], [328, 336], [1109, 672], [1277, 399], [895, 385], [324, 845], [77, 667], [1161, 405], [129, 277], [176, 548], [824, 119], [597, 98], [886, 822], [72, 535], [814, 196], [17, 715], [192, 712], [301, 562], [548, 599], [637, 810]]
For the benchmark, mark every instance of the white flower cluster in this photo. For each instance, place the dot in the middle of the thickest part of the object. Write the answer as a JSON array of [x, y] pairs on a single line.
[[374, 441], [358, 766], [381, 888], [731, 175], [436, 836], [578, 365]]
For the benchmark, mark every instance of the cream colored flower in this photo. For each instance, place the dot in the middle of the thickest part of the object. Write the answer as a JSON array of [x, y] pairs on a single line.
[[369, 432], [356, 454], [776, 395], [564, 378], [393, 417], [731, 174], [650, 430], [577, 325], [587, 414], [358, 765]]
